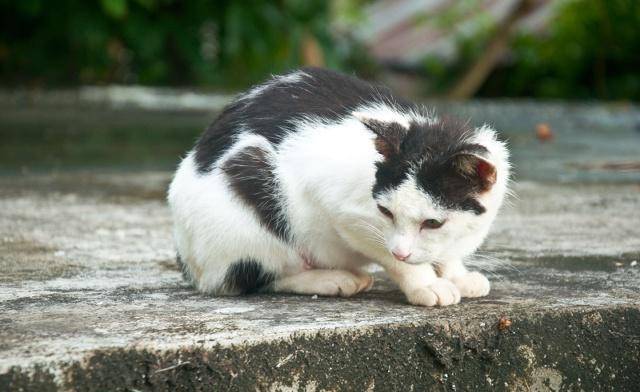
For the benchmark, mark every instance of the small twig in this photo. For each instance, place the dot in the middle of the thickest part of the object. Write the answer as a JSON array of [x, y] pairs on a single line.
[[497, 46], [172, 367], [284, 360], [624, 335]]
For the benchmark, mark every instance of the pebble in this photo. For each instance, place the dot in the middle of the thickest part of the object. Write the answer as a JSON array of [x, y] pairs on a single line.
[[544, 132]]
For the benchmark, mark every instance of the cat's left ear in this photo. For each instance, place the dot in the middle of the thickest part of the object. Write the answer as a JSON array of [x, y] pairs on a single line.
[[388, 136], [477, 169]]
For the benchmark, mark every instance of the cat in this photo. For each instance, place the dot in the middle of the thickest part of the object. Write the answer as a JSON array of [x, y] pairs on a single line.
[[306, 179]]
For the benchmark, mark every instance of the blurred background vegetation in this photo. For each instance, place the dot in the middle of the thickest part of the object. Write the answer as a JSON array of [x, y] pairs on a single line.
[[583, 49]]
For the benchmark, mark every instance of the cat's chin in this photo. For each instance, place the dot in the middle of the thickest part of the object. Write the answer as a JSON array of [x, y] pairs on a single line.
[[417, 262]]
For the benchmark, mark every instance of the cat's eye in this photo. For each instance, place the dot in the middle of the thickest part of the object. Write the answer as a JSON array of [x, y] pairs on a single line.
[[385, 212], [432, 224]]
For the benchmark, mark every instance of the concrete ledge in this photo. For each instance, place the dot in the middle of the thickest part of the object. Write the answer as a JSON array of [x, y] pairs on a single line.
[[92, 300], [569, 350]]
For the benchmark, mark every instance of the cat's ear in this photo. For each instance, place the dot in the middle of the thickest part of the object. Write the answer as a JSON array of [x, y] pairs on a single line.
[[388, 136], [475, 168]]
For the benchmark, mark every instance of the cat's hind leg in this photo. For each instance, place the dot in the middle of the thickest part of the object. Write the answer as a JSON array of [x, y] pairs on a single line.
[[246, 276], [325, 282]]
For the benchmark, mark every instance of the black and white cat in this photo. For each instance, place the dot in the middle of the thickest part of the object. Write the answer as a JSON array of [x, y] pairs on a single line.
[[311, 176]]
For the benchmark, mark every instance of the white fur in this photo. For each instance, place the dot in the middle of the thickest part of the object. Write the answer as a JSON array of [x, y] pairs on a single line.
[[326, 171]]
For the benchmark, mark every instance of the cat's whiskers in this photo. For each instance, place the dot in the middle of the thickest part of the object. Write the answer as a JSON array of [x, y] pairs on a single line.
[[491, 265], [371, 232]]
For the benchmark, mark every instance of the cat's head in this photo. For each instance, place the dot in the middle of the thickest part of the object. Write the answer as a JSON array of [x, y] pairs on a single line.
[[438, 187]]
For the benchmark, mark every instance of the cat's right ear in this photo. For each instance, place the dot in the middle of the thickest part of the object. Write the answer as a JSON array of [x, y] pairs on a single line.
[[388, 136]]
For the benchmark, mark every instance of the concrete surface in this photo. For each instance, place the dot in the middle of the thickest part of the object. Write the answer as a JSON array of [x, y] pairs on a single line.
[[91, 298]]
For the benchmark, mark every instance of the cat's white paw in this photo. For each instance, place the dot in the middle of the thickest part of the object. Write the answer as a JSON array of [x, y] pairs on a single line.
[[472, 284], [325, 282], [441, 292], [343, 284], [365, 281]]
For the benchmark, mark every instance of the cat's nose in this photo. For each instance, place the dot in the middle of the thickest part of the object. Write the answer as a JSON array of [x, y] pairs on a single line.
[[399, 255]]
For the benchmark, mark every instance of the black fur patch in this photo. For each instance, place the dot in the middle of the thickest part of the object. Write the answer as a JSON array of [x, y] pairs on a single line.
[[328, 95], [183, 268], [321, 93], [246, 276], [217, 138], [179, 262], [251, 176], [432, 152]]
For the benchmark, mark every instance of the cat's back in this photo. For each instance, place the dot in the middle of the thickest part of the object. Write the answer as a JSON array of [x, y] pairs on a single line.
[[272, 108]]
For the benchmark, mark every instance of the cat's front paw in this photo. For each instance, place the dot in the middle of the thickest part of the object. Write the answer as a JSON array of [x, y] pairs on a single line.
[[441, 292], [472, 284]]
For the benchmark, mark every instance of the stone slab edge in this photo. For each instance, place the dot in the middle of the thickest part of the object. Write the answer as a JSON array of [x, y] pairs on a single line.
[[580, 348]]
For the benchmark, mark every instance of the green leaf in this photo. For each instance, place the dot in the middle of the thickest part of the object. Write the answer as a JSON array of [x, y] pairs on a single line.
[[115, 8]]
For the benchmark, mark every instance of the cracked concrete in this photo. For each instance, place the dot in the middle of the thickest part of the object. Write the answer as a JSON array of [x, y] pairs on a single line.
[[91, 298]]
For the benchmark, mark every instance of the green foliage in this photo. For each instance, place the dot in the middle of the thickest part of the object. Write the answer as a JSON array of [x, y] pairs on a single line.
[[592, 51], [591, 48], [223, 43]]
